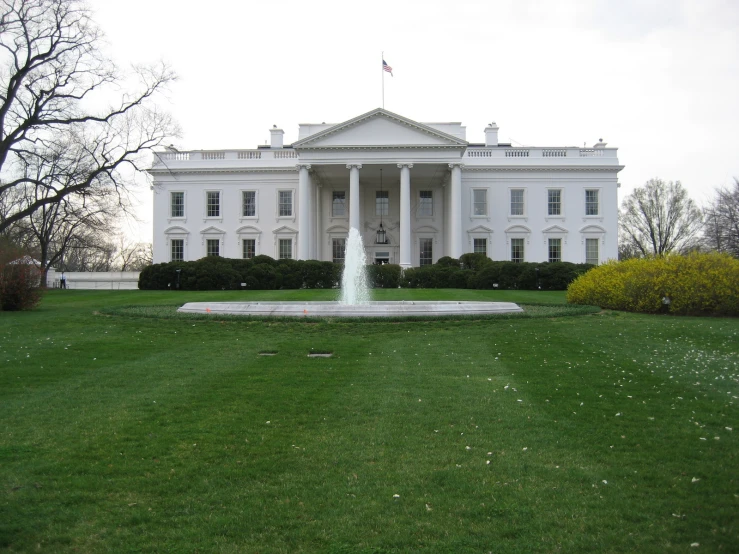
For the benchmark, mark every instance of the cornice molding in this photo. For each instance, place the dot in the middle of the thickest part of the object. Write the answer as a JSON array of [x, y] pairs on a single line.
[[385, 147], [544, 168]]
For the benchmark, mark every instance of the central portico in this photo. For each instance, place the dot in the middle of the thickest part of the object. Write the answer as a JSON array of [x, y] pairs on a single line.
[[373, 164]]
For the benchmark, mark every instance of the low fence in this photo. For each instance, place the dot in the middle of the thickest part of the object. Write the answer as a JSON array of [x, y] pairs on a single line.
[[98, 280]]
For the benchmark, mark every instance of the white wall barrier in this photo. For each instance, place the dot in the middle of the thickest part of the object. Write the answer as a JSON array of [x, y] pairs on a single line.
[[98, 280]]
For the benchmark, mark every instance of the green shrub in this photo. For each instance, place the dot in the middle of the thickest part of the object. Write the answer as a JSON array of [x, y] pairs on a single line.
[[290, 274], [474, 261], [262, 277], [436, 277], [694, 284], [385, 276], [215, 273], [321, 275], [448, 261]]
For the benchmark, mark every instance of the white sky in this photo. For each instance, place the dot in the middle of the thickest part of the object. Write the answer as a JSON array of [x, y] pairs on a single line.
[[658, 79]]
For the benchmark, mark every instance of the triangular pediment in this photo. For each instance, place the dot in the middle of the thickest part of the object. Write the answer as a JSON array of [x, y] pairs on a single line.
[[212, 231], [480, 229], [555, 229], [380, 129], [284, 230]]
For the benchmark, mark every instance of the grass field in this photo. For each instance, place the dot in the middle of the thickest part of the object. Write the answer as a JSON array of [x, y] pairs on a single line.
[[607, 432]]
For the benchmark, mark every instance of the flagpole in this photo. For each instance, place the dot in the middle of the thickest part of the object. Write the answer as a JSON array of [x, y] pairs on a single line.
[[382, 68]]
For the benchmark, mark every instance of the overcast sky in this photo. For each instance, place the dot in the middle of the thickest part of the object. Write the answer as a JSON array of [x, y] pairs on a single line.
[[658, 79]]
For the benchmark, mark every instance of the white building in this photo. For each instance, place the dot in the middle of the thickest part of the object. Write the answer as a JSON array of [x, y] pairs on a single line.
[[432, 193]]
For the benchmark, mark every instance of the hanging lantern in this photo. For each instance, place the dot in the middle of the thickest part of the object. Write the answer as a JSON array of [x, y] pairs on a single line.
[[381, 235]]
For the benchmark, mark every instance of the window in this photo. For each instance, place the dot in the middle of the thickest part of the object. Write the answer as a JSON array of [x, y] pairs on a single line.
[[426, 248], [517, 250], [285, 200], [591, 202], [517, 206], [591, 251], [213, 203], [177, 204], [426, 204], [339, 250], [382, 202], [480, 201], [338, 204], [555, 250], [248, 203], [286, 249], [554, 202], [213, 247], [480, 246], [178, 250], [249, 248]]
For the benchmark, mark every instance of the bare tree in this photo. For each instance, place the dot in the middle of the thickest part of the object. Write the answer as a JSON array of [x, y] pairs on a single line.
[[659, 218], [722, 220], [133, 256], [78, 221], [51, 68], [90, 252]]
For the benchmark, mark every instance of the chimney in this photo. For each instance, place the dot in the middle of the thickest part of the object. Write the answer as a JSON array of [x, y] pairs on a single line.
[[491, 134], [276, 133]]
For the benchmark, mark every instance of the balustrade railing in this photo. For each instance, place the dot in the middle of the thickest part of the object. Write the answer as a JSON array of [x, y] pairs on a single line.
[[174, 156], [195, 156], [531, 152], [214, 155]]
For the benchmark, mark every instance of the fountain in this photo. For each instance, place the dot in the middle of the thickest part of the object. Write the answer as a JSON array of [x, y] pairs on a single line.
[[354, 288], [354, 300]]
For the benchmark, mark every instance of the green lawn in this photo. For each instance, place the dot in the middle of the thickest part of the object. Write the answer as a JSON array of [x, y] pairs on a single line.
[[608, 432]]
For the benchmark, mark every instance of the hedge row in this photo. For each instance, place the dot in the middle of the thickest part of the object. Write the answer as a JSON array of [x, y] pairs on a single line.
[[698, 284], [258, 273], [474, 271]]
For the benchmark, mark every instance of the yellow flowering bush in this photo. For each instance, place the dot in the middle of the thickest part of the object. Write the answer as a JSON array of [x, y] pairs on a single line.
[[693, 284]]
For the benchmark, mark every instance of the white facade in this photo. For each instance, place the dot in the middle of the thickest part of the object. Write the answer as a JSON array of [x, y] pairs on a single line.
[[434, 193]]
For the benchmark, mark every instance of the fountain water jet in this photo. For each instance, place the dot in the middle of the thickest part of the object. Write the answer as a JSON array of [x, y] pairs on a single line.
[[354, 299], [354, 287]]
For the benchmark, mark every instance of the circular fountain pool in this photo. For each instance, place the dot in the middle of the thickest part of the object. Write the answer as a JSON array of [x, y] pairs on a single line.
[[336, 309]]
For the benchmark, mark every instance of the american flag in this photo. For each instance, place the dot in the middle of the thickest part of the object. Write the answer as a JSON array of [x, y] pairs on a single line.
[[387, 68]]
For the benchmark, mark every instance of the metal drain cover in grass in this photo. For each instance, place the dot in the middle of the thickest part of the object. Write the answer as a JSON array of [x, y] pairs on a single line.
[[320, 354], [335, 309]]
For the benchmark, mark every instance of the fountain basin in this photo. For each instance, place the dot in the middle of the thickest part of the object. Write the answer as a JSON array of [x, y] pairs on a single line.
[[401, 308]]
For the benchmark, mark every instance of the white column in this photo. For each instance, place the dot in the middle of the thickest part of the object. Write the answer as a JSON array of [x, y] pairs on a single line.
[[303, 211], [354, 195], [405, 215], [455, 212], [319, 221]]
